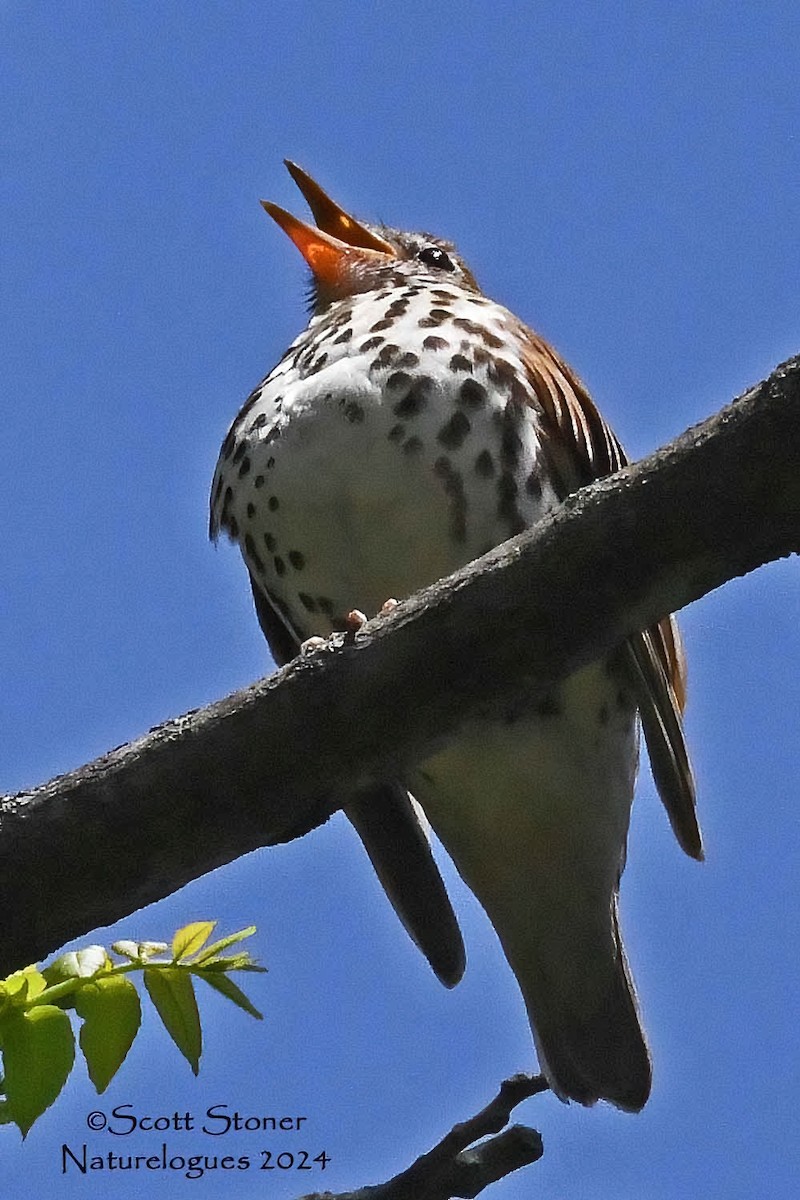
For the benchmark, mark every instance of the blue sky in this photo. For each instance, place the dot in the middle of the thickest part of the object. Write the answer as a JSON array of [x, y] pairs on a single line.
[[625, 178]]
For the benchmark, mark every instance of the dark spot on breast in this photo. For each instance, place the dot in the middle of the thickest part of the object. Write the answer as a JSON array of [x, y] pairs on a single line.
[[279, 565], [415, 399], [269, 542], [259, 481], [233, 527], [459, 362], [297, 559], [344, 336], [452, 434], [260, 421], [509, 421], [386, 323], [533, 485], [484, 465], [273, 503], [326, 605], [386, 357], [308, 602], [251, 510], [396, 433], [408, 360], [372, 343], [412, 446], [244, 467], [353, 412], [241, 450], [507, 508], [437, 316], [472, 394], [432, 342], [468, 326], [454, 490], [480, 331], [398, 383]]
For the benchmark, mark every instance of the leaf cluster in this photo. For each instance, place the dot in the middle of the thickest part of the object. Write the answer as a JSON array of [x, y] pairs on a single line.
[[37, 1040]]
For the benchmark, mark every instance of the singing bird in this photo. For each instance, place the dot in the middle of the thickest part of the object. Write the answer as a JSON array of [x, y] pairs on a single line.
[[411, 426]]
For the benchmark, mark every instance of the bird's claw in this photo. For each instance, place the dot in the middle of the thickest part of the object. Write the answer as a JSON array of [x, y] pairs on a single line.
[[354, 621], [311, 644]]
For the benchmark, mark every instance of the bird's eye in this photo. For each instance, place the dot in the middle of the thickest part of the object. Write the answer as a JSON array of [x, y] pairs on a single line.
[[434, 256]]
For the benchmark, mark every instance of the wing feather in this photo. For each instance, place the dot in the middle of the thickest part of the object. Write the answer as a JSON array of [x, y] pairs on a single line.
[[583, 447], [396, 840]]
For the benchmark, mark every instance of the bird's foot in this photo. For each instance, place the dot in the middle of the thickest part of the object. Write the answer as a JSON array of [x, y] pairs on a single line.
[[354, 621], [311, 644]]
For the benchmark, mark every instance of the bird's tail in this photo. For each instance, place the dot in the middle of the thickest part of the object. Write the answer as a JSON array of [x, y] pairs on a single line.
[[590, 1042]]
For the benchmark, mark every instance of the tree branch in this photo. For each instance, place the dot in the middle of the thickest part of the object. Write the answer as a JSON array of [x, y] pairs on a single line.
[[274, 760], [456, 1167]]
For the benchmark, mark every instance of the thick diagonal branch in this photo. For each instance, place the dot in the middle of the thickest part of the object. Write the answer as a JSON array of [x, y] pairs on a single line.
[[274, 760]]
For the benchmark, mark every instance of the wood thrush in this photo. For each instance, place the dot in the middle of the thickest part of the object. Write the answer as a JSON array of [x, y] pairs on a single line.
[[411, 426]]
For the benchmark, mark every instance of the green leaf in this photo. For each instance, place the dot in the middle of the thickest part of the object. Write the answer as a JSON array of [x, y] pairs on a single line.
[[172, 993], [24, 985], [225, 985], [231, 962], [112, 1014], [38, 1053], [191, 938], [217, 947], [76, 964]]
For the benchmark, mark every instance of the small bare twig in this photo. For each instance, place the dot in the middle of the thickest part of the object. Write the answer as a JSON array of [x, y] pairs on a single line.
[[455, 1166]]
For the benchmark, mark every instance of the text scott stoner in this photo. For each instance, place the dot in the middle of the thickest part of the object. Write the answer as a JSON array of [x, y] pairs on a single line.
[[216, 1121]]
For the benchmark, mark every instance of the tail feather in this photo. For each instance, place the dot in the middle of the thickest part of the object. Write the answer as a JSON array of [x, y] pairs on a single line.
[[597, 1054]]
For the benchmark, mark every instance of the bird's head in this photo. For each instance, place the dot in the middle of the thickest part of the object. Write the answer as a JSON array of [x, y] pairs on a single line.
[[347, 256]]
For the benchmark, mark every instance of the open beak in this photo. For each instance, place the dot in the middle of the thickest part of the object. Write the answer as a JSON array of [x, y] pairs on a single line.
[[337, 247], [331, 218]]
